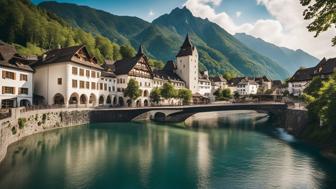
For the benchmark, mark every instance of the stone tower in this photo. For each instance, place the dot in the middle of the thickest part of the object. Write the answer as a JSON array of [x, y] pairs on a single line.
[[187, 65]]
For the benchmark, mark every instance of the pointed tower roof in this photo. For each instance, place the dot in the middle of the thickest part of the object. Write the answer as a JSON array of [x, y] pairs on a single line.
[[140, 51], [187, 42], [187, 48]]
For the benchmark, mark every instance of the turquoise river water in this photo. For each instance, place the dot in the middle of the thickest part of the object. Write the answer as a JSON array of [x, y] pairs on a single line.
[[220, 150]]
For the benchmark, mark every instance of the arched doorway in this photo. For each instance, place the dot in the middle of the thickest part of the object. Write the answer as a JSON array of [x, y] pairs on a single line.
[[129, 102], [93, 99], [138, 103], [24, 103], [108, 100], [114, 101], [145, 94], [121, 101], [59, 99], [73, 98], [83, 99], [146, 102], [101, 100]]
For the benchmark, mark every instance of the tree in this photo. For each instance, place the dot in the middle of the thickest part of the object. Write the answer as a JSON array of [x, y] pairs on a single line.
[[156, 64], [323, 14], [185, 95], [155, 95], [236, 95], [229, 75], [218, 93], [168, 91], [314, 87], [226, 93], [132, 90], [127, 51]]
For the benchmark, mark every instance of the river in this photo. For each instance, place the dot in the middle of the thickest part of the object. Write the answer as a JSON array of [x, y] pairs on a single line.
[[217, 150]]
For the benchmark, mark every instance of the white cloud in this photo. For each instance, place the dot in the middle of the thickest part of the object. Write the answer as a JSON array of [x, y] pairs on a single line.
[[238, 14], [151, 13], [288, 28]]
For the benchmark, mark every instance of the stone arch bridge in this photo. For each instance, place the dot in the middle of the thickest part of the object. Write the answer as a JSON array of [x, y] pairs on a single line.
[[180, 113]]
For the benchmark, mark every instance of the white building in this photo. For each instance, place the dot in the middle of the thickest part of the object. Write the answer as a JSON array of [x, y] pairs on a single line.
[[71, 77], [204, 84], [302, 78], [16, 79], [247, 87], [299, 81]]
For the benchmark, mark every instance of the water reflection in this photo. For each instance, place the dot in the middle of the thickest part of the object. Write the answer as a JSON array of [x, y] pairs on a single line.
[[231, 150]]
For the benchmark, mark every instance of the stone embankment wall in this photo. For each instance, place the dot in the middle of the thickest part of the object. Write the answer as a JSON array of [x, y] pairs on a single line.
[[22, 124], [295, 121]]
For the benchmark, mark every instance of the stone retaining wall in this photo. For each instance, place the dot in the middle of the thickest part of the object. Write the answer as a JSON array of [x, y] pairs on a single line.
[[295, 121], [28, 123]]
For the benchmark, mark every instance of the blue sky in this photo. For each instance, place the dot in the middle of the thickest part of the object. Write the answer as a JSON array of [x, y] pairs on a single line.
[[144, 8]]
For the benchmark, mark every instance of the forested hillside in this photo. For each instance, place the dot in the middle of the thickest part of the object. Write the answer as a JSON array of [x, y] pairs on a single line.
[[25, 24]]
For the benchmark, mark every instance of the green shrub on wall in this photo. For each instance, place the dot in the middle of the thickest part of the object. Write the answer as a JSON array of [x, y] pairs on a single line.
[[21, 122]]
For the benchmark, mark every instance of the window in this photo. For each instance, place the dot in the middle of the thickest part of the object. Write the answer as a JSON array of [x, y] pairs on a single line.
[[87, 73], [81, 84], [93, 85], [81, 72], [101, 86], [59, 81], [113, 88], [8, 75], [93, 74], [23, 91], [98, 74], [74, 71], [8, 90], [88, 85], [23, 77], [109, 89], [74, 83], [105, 87]]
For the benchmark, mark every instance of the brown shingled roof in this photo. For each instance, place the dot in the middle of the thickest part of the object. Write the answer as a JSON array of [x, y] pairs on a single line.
[[302, 75], [10, 59], [67, 55]]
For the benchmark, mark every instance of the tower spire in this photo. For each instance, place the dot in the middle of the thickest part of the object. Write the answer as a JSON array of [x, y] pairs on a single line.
[[187, 42], [140, 51]]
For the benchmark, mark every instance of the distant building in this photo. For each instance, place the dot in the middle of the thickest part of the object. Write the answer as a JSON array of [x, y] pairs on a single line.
[[16, 81], [218, 82], [301, 79], [247, 87]]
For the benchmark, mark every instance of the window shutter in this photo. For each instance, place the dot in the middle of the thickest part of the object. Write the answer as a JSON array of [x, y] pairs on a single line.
[[3, 90], [14, 76], [14, 88], [3, 74]]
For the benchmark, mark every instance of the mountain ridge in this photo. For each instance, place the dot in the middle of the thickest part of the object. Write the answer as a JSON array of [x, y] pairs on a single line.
[[219, 51], [291, 59]]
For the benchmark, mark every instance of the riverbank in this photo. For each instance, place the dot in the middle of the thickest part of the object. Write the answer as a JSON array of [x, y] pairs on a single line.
[[23, 124]]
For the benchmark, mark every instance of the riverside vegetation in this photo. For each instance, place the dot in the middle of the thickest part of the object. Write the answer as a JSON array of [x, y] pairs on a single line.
[[320, 97]]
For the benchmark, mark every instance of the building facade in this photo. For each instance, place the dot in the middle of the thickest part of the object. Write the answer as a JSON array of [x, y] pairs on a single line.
[[16, 79]]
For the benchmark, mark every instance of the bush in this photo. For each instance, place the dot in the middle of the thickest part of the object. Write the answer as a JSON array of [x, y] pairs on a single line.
[[21, 122]]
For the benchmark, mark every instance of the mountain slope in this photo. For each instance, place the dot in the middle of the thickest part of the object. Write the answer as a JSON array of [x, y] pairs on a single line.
[[116, 28], [212, 37], [219, 51], [289, 59]]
